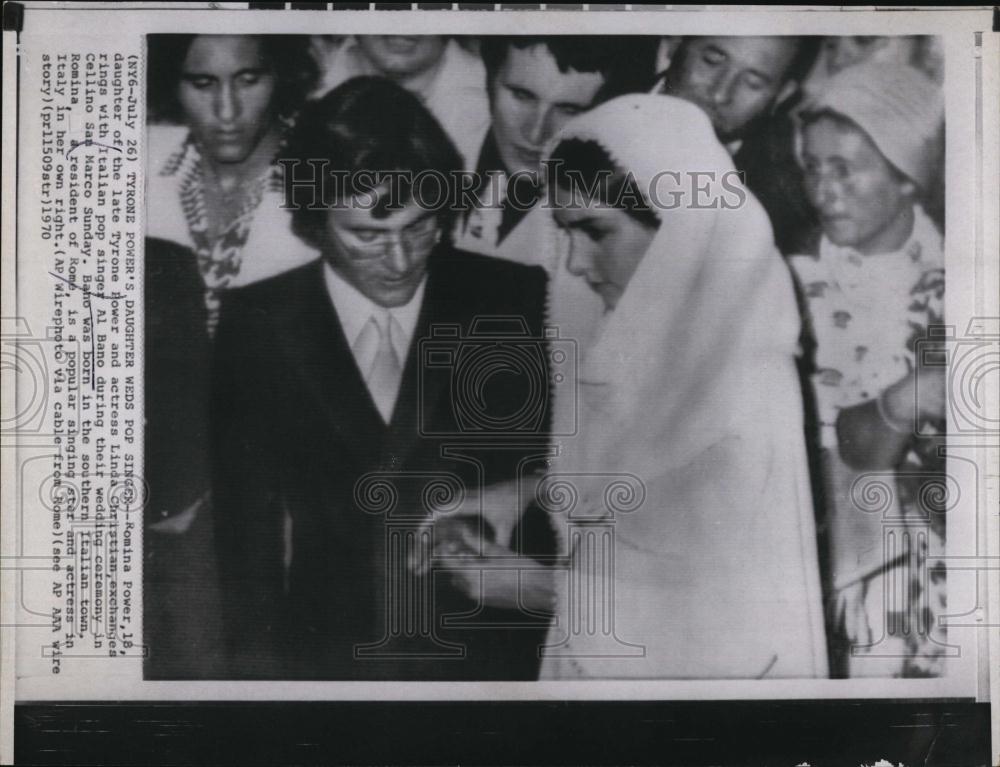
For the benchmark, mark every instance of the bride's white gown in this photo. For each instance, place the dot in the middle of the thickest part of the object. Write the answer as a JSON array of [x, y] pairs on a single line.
[[689, 387]]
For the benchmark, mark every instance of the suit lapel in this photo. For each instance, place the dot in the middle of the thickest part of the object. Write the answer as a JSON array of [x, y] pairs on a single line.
[[318, 353], [420, 397]]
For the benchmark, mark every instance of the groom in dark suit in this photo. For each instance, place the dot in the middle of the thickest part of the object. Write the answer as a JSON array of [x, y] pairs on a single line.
[[340, 417]]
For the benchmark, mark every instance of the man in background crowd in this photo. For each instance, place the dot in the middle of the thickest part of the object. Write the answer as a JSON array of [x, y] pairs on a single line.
[[446, 77], [535, 86], [748, 86]]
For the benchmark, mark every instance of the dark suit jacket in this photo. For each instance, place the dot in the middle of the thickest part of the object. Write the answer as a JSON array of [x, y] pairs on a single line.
[[177, 354], [767, 158], [295, 430], [180, 607]]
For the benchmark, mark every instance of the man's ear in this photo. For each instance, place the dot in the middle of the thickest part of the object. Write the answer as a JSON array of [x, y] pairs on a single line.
[[789, 89], [665, 52]]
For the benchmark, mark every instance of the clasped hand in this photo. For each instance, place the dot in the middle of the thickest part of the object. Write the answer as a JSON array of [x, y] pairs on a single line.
[[473, 544]]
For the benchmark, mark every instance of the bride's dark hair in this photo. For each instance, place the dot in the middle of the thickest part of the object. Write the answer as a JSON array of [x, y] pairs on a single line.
[[579, 164]]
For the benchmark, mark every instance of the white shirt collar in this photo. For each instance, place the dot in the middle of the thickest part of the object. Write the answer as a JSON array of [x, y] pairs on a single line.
[[354, 310]]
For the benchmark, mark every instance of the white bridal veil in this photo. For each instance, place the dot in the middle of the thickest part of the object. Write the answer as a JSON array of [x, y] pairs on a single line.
[[689, 385]]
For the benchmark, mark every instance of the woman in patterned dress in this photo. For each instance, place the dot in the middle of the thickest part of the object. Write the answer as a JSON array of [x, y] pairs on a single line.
[[869, 145]]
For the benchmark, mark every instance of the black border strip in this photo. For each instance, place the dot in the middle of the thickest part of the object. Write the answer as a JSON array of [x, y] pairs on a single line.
[[936, 733]]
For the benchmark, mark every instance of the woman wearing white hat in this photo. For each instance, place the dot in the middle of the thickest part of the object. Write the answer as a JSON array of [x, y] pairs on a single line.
[[869, 145]]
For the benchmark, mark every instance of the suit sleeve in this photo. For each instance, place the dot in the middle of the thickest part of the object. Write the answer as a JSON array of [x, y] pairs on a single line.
[[177, 358], [246, 497], [534, 536]]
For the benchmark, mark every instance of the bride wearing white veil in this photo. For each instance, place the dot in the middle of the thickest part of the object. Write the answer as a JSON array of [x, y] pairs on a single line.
[[687, 392], [690, 385]]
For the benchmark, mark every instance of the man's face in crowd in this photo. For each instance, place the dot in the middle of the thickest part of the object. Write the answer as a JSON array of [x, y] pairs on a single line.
[[862, 201], [530, 100], [227, 91], [385, 258], [847, 50], [734, 79], [401, 56]]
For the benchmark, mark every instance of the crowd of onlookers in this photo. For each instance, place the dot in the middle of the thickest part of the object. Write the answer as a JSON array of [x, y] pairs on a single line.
[[839, 139]]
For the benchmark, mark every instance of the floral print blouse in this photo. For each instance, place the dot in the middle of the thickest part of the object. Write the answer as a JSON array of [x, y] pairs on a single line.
[[866, 315]]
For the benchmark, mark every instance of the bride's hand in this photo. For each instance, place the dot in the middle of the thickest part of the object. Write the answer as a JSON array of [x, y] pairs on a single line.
[[501, 506], [494, 585], [851, 613]]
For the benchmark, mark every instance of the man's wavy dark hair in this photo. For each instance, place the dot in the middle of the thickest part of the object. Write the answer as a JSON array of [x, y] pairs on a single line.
[[295, 68], [369, 125]]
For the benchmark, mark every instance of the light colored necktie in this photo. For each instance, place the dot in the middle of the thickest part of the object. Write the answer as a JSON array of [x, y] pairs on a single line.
[[384, 374]]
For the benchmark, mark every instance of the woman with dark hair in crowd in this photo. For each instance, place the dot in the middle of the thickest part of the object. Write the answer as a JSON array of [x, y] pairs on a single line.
[[213, 221], [213, 186], [870, 143]]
